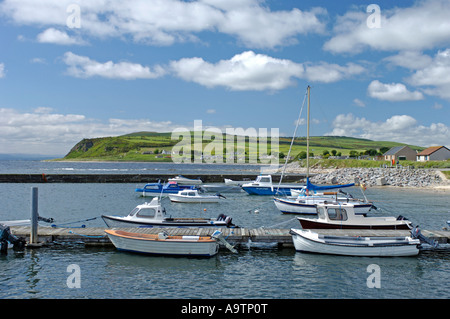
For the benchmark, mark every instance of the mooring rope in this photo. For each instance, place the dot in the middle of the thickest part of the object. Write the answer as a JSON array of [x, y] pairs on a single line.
[[75, 222], [282, 223]]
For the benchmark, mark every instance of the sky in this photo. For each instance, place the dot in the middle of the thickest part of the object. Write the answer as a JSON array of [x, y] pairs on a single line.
[[74, 69]]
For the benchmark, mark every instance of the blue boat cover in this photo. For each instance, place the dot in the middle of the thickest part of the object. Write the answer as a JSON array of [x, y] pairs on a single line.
[[313, 187]]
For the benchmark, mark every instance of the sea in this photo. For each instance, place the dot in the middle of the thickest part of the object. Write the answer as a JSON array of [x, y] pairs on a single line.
[[257, 272]]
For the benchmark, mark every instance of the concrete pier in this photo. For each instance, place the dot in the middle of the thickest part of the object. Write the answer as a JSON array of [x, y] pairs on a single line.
[[136, 178]]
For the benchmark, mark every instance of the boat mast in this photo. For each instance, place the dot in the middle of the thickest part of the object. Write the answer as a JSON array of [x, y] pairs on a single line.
[[307, 138]]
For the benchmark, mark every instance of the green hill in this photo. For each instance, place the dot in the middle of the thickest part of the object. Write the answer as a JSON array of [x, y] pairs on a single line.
[[153, 146]]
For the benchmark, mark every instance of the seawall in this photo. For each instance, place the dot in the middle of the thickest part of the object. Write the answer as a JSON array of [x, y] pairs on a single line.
[[135, 178]]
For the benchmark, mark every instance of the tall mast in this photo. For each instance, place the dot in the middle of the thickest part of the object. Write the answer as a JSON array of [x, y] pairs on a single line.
[[307, 138]]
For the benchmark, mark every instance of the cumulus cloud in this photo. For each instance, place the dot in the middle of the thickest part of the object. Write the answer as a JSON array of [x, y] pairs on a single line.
[[84, 67], [2, 70], [251, 71], [435, 76], [44, 131], [169, 21], [245, 71], [398, 128], [392, 92], [55, 36], [421, 26]]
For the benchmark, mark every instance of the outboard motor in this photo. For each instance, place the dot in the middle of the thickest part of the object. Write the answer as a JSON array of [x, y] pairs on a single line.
[[416, 233], [227, 219], [6, 237]]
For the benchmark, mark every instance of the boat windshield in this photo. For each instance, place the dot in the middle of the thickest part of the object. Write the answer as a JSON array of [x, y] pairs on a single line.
[[337, 214], [147, 213], [321, 212], [265, 180], [133, 212]]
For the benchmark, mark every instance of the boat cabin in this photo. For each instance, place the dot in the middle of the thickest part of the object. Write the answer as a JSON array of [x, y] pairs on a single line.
[[151, 210], [189, 193], [335, 212]]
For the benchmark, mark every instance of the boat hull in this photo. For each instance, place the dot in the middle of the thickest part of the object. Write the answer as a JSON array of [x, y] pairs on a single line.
[[267, 190], [308, 223], [193, 199], [188, 246], [113, 221], [305, 241], [290, 206]]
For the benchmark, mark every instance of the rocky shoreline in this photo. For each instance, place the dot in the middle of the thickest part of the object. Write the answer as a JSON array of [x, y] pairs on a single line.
[[399, 177]]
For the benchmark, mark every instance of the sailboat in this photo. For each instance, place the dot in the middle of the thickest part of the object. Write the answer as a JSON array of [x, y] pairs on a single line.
[[306, 202]]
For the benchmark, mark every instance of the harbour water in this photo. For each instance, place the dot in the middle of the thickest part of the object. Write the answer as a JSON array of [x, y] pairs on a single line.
[[256, 272]]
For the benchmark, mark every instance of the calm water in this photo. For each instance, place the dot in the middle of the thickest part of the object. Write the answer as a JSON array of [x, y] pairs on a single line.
[[256, 272]]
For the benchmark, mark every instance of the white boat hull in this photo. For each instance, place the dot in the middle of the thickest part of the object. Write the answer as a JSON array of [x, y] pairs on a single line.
[[185, 181], [118, 221], [307, 241], [184, 246], [308, 207], [193, 199]]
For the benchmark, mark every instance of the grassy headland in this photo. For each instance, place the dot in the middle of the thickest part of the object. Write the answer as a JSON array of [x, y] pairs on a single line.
[[157, 147]]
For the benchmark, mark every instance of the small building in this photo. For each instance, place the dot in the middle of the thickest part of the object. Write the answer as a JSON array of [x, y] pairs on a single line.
[[434, 153], [400, 153]]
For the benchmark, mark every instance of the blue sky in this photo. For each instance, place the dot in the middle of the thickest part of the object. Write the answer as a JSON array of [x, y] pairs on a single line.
[[80, 69]]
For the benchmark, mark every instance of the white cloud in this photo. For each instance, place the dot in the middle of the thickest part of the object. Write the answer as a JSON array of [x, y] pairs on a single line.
[[424, 25], [245, 71], [55, 36], [251, 71], [43, 131], [398, 128], [327, 72], [164, 22], [392, 92], [2, 70], [435, 76], [359, 103], [84, 67]]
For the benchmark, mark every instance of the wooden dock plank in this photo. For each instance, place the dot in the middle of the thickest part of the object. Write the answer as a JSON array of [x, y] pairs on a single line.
[[233, 235]]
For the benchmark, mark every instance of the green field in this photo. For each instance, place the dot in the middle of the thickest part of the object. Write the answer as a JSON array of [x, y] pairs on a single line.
[[157, 147]]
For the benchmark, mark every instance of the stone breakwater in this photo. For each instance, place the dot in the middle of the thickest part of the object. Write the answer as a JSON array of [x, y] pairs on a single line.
[[400, 177], [381, 177]]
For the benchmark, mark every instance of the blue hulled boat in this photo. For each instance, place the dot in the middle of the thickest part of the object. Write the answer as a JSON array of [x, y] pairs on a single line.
[[151, 189], [263, 186]]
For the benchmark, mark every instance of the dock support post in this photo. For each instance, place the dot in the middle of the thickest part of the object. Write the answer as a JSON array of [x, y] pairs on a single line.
[[34, 218]]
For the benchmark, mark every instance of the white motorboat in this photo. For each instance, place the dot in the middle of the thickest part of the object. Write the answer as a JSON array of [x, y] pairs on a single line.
[[163, 244], [192, 196], [236, 183], [306, 204], [181, 180], [312, 242], [154, 215], [335, 215]]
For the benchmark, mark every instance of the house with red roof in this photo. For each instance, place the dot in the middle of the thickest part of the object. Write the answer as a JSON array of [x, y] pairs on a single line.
[[434, 153]]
